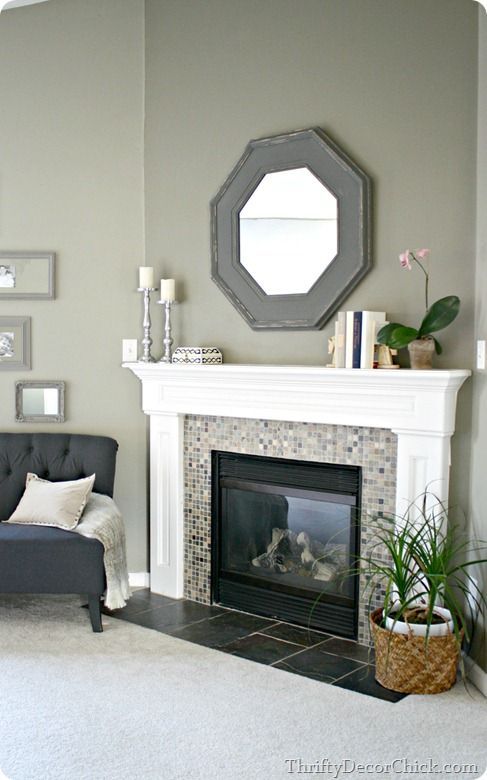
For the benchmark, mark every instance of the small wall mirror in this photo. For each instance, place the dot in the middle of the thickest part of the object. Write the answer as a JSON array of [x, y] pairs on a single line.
[[291, 231], [39, 401]]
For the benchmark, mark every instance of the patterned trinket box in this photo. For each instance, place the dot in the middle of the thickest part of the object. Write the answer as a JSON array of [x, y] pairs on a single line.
[[210, 356]]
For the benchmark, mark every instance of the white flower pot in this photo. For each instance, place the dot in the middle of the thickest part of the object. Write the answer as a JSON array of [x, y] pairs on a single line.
[[418, 629]]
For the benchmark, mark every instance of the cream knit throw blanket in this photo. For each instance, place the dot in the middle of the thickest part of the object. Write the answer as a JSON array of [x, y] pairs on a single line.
[[102, 520]]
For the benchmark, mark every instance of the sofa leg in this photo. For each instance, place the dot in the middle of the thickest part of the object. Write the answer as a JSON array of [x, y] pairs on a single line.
[[94, 605]]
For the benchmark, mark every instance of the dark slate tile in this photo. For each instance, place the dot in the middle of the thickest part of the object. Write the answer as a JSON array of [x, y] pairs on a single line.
[[318, 665], [223, 629], [173, 616], [145, 596], [141, 593], [349, 649], [261, 648], [136, 606], [295, 634], [130, 609], [363, 681]]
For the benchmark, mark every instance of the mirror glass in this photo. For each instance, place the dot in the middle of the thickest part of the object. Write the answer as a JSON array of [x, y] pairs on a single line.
[[39, 401], [288, 231]]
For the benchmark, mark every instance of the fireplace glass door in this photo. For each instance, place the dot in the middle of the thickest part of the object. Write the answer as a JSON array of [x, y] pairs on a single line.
[[286, 539]]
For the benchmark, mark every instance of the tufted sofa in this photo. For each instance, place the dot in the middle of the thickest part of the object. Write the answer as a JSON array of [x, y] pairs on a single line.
[[41, 559]]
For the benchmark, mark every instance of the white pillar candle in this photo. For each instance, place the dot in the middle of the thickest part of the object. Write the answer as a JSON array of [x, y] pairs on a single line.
[[168, 290], [146, 276]]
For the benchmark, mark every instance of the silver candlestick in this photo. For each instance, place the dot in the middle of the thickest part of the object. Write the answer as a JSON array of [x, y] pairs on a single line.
[[146, 324], [167, 340]]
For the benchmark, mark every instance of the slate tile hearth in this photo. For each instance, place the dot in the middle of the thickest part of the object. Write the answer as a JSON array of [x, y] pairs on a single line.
[[223, 630], [300, 636], [313, 654], [262, 648], [168, 618], [316, 663]]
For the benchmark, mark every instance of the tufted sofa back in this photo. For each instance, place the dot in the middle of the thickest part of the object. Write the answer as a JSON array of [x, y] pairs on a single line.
[[54, 456]]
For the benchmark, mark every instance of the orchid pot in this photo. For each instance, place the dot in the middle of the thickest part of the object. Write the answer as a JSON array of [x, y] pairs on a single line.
[[421, 353]]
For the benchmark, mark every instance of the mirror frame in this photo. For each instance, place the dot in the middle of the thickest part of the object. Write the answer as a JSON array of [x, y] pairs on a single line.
[[314, 150], [38, 384]]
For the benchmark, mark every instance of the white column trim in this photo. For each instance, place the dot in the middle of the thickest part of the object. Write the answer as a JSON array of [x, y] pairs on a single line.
[[167, 504], [423, 461]]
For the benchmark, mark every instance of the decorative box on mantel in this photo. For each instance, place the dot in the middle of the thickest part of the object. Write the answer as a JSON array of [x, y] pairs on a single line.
[[418, 406], [210, 356]]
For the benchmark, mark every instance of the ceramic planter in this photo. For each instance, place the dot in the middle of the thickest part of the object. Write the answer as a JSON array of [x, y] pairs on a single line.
[[419, 629], [421, 353]]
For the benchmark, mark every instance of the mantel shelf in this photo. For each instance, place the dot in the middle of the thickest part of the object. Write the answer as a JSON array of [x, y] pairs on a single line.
[[396, 399]]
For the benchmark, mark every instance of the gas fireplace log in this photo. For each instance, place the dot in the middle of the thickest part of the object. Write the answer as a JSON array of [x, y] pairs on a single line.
[[289, 552]]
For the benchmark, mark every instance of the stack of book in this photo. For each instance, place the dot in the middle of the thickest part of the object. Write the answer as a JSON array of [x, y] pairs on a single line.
[[355, 338]]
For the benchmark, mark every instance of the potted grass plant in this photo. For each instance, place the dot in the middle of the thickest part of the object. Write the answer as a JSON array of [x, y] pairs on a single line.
[[422, 562]]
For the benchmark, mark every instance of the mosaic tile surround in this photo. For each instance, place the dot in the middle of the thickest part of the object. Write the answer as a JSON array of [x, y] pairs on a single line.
[[374, 449]]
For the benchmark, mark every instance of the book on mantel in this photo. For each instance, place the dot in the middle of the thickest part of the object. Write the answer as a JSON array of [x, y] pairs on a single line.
[[355, 338]]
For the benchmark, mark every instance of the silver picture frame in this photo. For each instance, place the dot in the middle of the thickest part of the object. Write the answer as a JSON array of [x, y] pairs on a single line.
[[31, 396], [15, 334], [27, 275]]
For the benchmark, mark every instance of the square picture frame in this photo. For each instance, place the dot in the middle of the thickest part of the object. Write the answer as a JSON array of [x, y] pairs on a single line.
[[27, 275], [15, 336]]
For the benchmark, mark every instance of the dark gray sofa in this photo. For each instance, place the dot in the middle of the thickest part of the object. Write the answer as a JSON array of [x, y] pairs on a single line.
[[41, 559]]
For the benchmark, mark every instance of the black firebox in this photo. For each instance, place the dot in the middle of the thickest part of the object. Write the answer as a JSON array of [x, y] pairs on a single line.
[[285, 538]]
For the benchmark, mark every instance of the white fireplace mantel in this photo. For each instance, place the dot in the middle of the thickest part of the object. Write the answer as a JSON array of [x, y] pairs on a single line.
[[418, 406]]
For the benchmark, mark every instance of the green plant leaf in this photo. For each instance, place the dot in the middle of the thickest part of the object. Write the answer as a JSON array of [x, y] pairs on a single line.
[[439, 315], [385, 332], [401, 337], [396, 336], [438, 347]]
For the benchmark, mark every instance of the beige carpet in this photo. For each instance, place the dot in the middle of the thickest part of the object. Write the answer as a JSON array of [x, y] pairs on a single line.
[[131, 704]]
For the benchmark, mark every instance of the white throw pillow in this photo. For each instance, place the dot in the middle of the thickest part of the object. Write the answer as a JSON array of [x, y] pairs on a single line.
[[58, 504]]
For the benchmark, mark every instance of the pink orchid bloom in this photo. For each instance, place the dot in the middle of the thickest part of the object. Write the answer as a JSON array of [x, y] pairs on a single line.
[[404, 260], [422, 253]]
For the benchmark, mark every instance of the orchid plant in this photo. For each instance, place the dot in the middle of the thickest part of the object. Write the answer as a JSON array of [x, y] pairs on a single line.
[[437, 316]]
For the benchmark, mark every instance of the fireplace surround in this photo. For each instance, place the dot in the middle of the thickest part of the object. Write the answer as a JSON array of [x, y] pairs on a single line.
[[372, 450], [415, 409]]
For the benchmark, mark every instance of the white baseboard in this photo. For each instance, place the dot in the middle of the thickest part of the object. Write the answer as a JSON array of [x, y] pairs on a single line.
[[476, 675], [139, 579]]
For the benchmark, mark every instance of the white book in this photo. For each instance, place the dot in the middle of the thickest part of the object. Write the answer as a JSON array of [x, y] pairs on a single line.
[[372, 322], [340, 326]]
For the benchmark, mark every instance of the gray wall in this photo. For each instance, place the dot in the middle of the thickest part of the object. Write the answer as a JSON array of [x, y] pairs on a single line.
[[478, 516], [221, 72], [71, 165]]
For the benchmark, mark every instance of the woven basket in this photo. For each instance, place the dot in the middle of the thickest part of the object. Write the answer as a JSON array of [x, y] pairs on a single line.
[[405, 663]]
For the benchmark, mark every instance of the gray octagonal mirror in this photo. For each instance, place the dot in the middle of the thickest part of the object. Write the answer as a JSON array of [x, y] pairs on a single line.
[[291, 231]]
